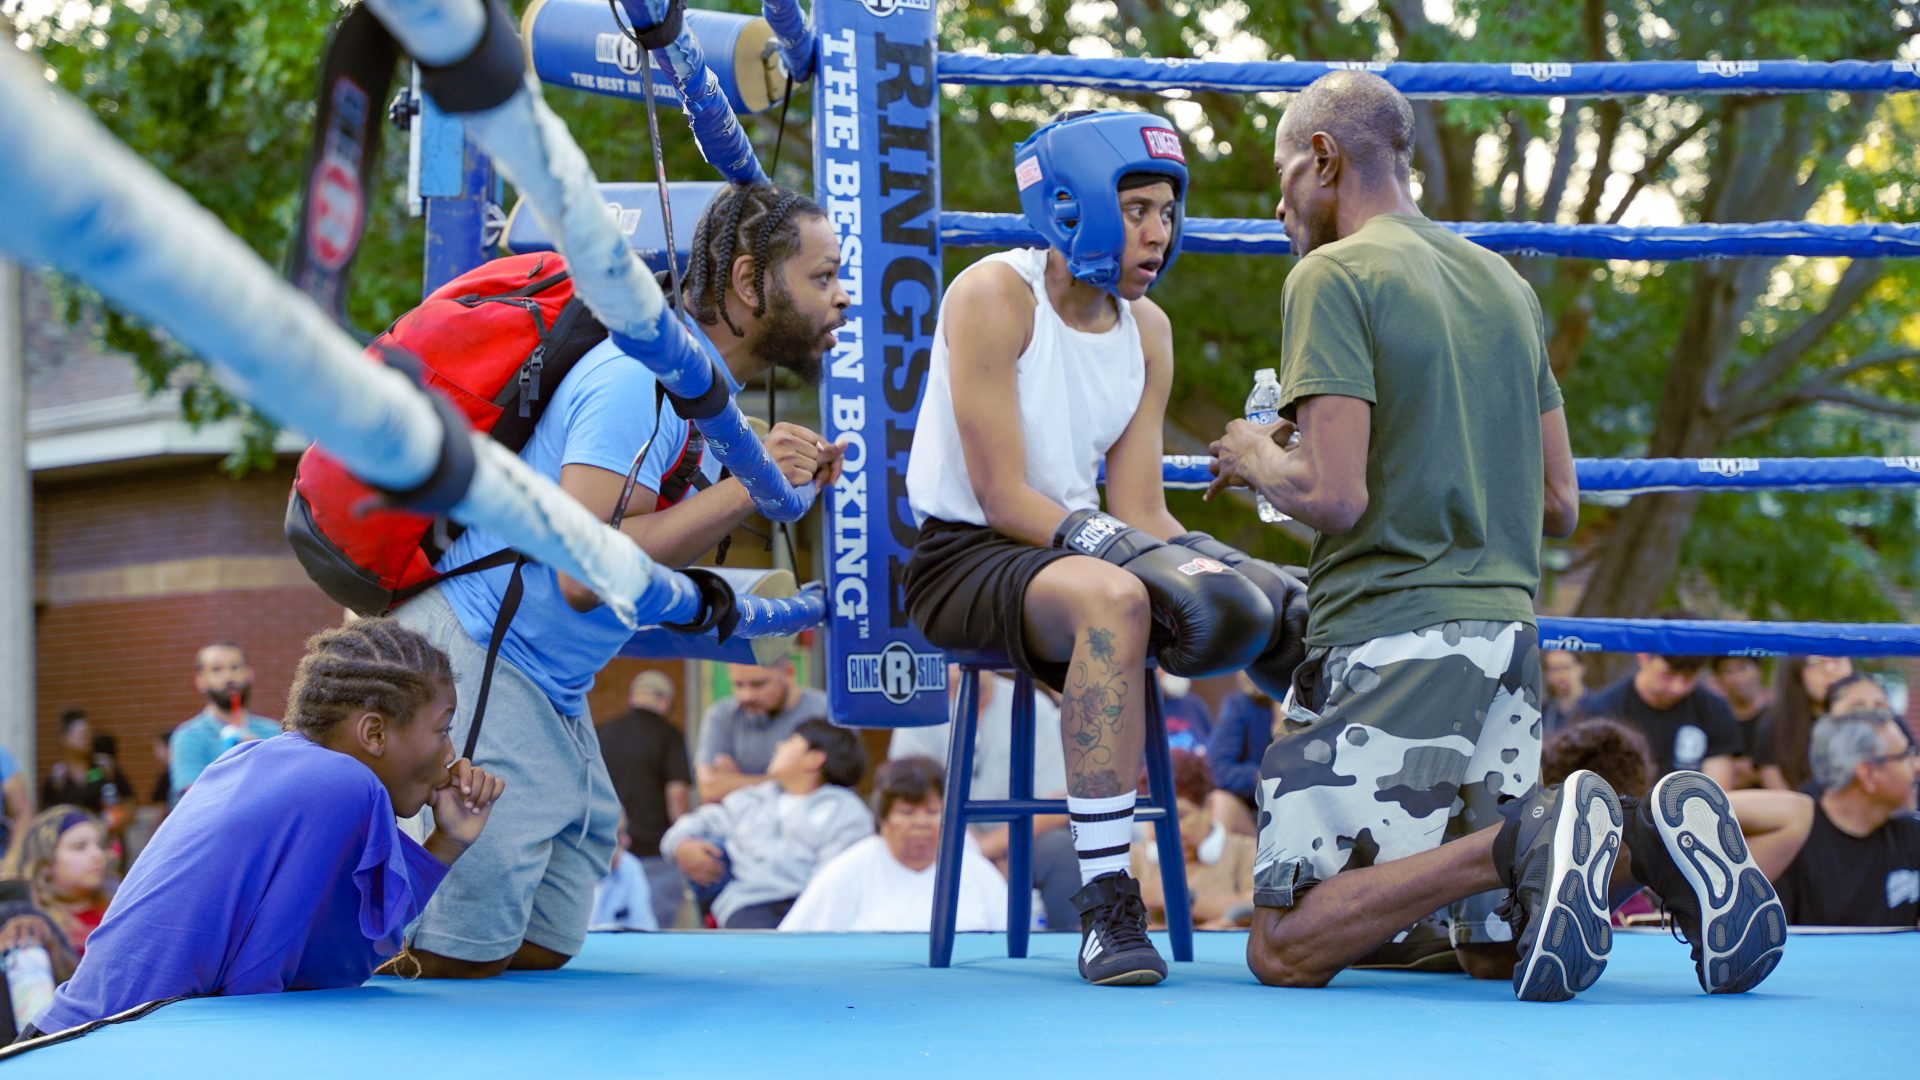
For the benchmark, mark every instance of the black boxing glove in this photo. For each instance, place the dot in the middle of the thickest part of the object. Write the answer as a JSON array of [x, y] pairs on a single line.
[[1272, 670], [1207, 619]]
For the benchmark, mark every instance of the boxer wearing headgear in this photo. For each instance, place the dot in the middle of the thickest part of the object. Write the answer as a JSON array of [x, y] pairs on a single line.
[[1015, 552]]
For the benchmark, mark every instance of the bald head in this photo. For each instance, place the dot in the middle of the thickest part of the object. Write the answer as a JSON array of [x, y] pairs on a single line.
[[1370, 121]]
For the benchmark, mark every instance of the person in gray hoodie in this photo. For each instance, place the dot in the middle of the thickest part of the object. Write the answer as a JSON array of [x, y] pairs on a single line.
[[754, 851]]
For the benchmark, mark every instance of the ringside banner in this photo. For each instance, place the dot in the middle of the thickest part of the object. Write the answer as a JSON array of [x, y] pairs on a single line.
[[876, 171], [577, 44]]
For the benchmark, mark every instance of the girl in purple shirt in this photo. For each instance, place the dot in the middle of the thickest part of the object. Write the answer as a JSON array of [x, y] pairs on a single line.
[[282, 868]]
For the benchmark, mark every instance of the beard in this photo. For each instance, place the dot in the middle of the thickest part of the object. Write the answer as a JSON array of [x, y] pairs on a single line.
[[222, 697], [1315, 232], [789, 339]]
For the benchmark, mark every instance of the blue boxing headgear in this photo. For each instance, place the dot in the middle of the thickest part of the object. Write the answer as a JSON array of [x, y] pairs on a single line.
[[1069, 177]]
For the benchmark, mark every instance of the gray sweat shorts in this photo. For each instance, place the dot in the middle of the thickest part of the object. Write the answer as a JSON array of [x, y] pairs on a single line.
[[551, 836], [1393, 746]]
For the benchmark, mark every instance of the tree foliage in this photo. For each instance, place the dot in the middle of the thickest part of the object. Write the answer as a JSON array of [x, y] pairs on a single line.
[[1756, 357]]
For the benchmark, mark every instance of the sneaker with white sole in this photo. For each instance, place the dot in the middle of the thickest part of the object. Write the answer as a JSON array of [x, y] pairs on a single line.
[[1686, 845], [1556, 852], [1114, 947]]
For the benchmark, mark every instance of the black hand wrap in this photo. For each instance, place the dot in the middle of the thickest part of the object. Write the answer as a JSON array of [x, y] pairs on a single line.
[[452, 474], [719, 610], [663, 33], [1272, 669], [1207, 619]]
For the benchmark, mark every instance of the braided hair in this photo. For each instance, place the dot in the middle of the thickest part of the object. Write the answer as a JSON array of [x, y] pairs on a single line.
[[369, 665], [757, 219]]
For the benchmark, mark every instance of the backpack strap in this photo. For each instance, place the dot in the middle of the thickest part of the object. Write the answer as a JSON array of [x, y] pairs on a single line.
[[684, 475], [509, 603]]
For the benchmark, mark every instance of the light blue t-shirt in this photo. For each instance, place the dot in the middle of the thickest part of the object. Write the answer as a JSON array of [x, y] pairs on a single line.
[[200, 741], [601, 414]]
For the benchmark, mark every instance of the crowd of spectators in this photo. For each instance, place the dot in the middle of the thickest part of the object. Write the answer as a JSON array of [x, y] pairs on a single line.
[[779, 839]]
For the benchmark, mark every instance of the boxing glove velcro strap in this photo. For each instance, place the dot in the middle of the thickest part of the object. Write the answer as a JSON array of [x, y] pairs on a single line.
[[1103, 536]]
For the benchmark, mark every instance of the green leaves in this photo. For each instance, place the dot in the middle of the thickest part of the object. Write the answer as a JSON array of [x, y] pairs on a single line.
[[218, 95]]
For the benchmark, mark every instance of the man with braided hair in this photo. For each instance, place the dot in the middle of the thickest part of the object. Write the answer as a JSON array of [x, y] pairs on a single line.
[[282, 868], [764, 291]]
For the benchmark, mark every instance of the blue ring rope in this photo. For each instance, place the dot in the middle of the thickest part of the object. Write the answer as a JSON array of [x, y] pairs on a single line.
[[1438, 80], [1671, 637], [797, 41], [1632, 476], [723, 142], [1261, 236]]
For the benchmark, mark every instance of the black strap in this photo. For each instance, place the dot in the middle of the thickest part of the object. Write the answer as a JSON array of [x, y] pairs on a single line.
[[486, 77], [509, 604], [484, 562], [355, 78], [685, 474]]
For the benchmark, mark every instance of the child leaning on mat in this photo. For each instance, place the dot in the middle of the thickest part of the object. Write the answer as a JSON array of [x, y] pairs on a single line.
[[282, 868]]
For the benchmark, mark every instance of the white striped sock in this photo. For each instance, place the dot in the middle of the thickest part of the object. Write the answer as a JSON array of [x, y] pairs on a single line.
[[1102, 833]]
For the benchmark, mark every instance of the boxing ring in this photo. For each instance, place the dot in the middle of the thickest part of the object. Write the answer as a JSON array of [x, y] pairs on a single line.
[[718, 1004]]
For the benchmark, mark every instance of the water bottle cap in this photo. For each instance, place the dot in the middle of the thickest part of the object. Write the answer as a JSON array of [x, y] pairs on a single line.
[[1266, 374]]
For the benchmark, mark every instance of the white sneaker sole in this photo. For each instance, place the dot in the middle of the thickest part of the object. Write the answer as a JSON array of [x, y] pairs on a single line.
[[1566, 944], [1743, 928]]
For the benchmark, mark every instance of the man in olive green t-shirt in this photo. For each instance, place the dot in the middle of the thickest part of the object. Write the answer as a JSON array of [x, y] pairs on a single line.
[[1431, 454]]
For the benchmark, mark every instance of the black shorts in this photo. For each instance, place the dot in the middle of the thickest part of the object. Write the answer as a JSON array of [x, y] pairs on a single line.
[[966, 588]]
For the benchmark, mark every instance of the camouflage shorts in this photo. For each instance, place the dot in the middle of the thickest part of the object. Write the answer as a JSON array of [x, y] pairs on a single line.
[[1393, 746]]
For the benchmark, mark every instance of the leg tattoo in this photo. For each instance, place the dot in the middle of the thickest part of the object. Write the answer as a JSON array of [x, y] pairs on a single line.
[[1091, 715]]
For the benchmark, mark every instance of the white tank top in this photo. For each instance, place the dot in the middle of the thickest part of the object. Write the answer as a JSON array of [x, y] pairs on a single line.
[[1077, 393]]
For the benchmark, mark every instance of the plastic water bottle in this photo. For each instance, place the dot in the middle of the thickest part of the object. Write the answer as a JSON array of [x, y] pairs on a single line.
[[29, 982], [1263, 407]]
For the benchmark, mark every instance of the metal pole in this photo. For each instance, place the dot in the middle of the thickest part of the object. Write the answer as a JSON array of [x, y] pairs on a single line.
[[16, 532]]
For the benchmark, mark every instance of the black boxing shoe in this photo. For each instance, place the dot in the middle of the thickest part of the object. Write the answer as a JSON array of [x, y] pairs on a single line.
[[1556, 852], [1114, 948], [1686, 845], [1424, 946]]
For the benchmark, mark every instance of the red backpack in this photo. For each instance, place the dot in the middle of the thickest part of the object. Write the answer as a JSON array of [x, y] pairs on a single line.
[[496, 341]]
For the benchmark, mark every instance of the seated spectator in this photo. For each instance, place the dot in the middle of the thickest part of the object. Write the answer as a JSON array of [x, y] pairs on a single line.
[[1247, 720], [646, 759], [885, 882], [282, 868], [1743, 683], [28, 986], [62, 856], [749, 855], [82, 776], [1799, 695], [623, 900], [738, 734], [1189, 724], [1055, 865], [1859, 692], [1686, 725], [1617, 752], [1564, 676], [225, 679], [1219, 863], [1858, 862]]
